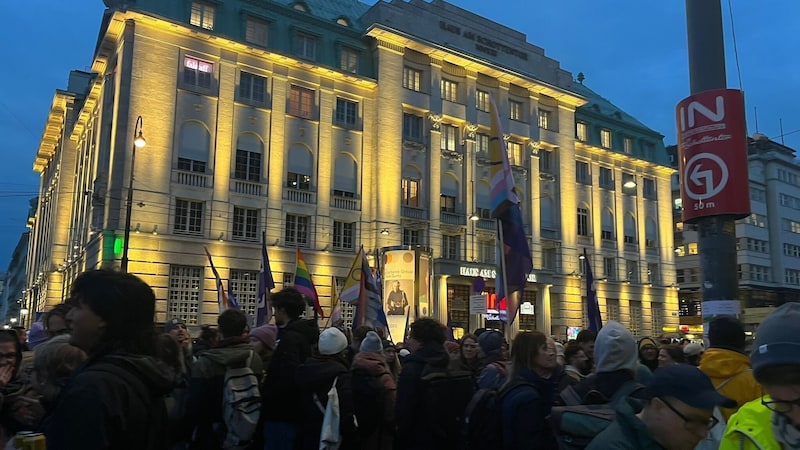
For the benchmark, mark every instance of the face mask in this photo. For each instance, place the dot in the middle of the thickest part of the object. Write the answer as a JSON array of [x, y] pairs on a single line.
[[785, 432]]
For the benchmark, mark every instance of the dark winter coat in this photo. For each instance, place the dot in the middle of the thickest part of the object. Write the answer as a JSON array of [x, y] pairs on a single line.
[[525, 410], [413, 431], [374, 365], [316, 376], [626, 432], [280, 390], [604, 383], [204, 394], [113, 401]]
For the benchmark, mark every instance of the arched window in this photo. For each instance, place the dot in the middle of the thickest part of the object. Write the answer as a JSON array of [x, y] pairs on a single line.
[[584, 222], [345, 176], [249, 150], [650, 233], [607, 225], [194, 146], [300, 168], [630, 229], [449, 195], [547, 213]]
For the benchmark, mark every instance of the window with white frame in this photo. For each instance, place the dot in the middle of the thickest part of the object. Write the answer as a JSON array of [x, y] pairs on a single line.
[[791, 250], [197, 73], [760, 221], [202, 15], [545, 119], [343, 235], [301, 102], [582, 131], [482, 144], [482, 100], [448, 203], [583, 222], [760, 273], [244, 284], [792, 276], [449, 194], [305, 46], [605, 138], [515, 110], [451, 247], [612, 309], [757, 194], [412, 127], [252, 87], [449, 90], [183, 296], [348, 59], [410, 191], [515, 154], [245, 223], [188, 217], [610, 268], [789, 201], [299, 181], [412, 79], [449, 137], [582, 174], [257, 31], [248, 159], [627, 144], [296, 231], [791, 226], [346, 112], [607, 178]]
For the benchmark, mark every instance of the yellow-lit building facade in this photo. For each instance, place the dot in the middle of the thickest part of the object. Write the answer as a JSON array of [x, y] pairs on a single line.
[[332, 125]]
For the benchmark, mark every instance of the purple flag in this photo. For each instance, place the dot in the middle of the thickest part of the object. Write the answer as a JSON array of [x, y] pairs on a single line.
[[593, 308], [265, 284]]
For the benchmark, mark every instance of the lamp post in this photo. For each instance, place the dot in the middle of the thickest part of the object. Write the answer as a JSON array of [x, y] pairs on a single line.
[[140, 142]]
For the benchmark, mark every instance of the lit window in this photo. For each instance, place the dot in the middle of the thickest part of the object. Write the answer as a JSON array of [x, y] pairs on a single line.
[[582, 131], [482, 100], [348, 60], [515, 110], [202, 15], [449, 90], [447, 203], [544, 119], [515, 156], [346, 112], [482, 144], [301, 101], [252, 87], [257, 32], [197, 73], [299, 181], [605, 138], [449, 137], [412, 79], [410, 190], [305, 46], [627, 144]]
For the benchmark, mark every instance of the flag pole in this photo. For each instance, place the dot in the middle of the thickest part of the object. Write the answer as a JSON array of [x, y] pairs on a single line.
[[504, 280]]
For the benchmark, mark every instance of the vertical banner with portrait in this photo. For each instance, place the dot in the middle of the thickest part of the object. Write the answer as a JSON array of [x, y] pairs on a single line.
[[424, 284], [398, 273]]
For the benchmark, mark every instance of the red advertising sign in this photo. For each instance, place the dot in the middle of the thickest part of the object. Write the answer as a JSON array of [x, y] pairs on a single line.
[[712, 148]]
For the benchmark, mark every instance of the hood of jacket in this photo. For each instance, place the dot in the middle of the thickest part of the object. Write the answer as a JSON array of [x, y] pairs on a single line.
[[306, 327], [228, 354], [615, 349], [156, 375], [319, 371], [433, 354], [722, 363], [373, 363]]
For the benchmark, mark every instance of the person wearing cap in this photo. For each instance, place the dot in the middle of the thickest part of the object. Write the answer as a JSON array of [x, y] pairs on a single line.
[[693, 352], [176, 327], [773, 421], [495, 366], [315, 377], [648, 353], [677, 414], [726, 363], [374, 394]]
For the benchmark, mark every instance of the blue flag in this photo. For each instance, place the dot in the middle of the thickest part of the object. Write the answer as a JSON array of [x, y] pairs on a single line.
[[232, 302], [265, 284], [592, 306]]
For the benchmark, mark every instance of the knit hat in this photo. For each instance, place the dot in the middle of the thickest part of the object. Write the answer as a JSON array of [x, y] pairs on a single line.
[[645, 341], [403, 352], [615, 349], [490, 342], [36, 335], [777, 340], [559, 349], [172, 323], [266, 334], [693, 349], [371, 343], [332, 342], [727, 333]]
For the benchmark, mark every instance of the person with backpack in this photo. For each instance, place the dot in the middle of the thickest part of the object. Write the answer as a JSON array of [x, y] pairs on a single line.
[[431, 400], [494, 366], [726, 363], [677, 413], [527, 396], [773, 421], [115, 400], [315, 377], [374, 395], [208, 415]]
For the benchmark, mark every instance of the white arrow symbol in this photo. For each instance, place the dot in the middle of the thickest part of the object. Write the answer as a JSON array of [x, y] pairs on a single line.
[[697, 175]]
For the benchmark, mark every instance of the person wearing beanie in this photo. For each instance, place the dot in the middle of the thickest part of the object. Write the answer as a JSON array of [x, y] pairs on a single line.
[[262, 339], [772, 422], [727, 365], [314, 379], [648, 353], [616, 361], [392, 357], [495, 366], [374, 395]]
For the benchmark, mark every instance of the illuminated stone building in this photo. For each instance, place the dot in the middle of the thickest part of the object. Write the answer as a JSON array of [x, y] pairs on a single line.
[[331, 125]]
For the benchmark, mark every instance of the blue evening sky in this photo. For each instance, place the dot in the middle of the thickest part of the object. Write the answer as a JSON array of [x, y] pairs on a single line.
[[632, 52]]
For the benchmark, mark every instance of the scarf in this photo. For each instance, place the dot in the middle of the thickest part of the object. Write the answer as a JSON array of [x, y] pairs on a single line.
[[785, 432]]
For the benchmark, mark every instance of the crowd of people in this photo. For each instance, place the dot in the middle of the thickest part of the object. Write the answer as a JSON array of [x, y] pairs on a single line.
[[95, 373]]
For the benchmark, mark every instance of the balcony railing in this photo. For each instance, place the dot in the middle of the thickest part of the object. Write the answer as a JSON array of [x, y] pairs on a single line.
[[349, 203], [299, 196], [412, 212], [453, 218], [195, 179], [247, 187], [487, 224]]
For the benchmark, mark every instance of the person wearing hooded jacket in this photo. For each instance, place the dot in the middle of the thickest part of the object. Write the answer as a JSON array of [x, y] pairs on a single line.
[[115, 400], [315, 378], [371, 362], [494, 367], [281, 411], [204, 394]]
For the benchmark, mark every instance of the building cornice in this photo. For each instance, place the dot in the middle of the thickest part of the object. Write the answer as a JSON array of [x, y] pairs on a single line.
[[53, 130]]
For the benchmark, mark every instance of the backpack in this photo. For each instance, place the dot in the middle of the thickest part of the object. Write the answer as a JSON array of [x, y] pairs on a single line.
[[445, 394], [241, 405], [713, 440], [369, 401], [574, 426], [483, 427], [330, 436]]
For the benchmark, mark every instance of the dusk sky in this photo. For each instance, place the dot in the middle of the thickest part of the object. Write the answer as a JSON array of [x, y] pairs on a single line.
[[633, 52]]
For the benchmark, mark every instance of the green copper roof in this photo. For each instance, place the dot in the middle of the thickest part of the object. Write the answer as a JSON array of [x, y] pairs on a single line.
[[332, 10], [602, 106]]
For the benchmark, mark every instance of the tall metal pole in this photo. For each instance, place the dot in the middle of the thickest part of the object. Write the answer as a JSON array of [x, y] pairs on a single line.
[[717, 234], [138, 141]]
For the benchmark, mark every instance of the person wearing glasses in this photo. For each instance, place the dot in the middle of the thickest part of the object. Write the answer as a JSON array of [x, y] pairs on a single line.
[[677, 414], [772, 421]]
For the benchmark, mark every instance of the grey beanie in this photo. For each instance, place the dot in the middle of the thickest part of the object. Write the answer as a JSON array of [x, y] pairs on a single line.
[[371, 343], [615, 349], [777, 340]]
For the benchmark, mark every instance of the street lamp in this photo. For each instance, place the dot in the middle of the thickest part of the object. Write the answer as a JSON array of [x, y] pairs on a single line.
[[140, 142]]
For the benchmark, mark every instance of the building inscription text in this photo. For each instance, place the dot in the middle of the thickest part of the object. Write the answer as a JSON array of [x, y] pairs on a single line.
[[483, 43]]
